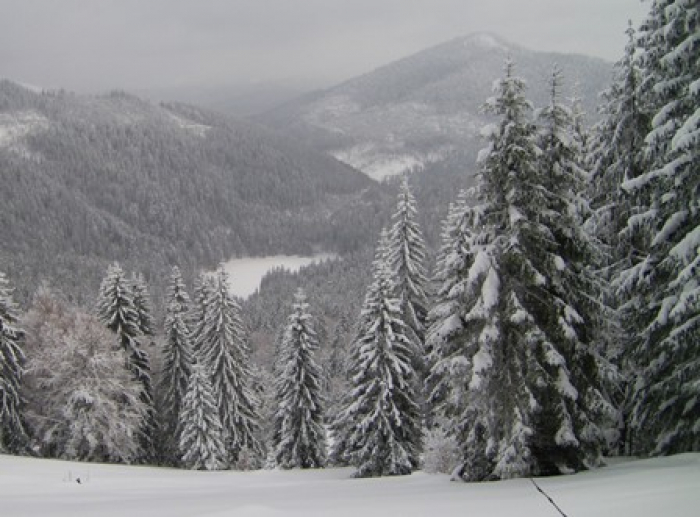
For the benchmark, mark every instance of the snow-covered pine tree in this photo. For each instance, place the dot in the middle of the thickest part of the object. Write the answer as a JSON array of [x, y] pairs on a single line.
[[334, 367], [449, 244], [177, 364], [142, 304], [580, 131], [616, 150], [507, 331], [13, 435], [298, 437], [454, 354], [222, 349], [616, 155], [406, 262], [379, 430], [263, 386], [144, 312], [200, 433], [662, 285], [117, 311], [337, 354], [573, 283], [203, 288]]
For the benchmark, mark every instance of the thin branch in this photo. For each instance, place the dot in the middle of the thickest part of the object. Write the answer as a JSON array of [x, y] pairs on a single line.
[[548, 498]]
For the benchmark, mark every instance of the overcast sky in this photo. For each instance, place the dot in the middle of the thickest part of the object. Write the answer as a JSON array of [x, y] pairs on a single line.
[[92, 45]]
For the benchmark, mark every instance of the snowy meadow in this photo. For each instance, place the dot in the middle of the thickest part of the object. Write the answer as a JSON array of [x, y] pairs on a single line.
[[639, 488]]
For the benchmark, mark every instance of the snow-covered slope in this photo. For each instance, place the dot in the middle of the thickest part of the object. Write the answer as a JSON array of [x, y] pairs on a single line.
[[15, 127], [665, 487]]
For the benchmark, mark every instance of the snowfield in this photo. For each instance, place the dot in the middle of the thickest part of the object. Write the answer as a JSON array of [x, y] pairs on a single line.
[[199, 130], [667, 487]]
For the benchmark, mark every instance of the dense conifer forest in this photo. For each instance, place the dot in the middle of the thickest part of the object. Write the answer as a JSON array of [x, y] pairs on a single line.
[[551, 320]]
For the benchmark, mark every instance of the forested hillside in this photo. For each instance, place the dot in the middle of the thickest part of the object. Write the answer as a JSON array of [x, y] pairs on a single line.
[[90, 180]]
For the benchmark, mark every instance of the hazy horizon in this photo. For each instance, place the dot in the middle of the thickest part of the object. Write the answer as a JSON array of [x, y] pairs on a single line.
[[99, 45]]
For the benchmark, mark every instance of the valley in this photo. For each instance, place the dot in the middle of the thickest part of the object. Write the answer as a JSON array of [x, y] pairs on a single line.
[[473, 263]]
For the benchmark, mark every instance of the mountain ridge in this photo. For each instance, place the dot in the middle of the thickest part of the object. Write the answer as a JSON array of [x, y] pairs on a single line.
[[420, 109], [92, 179]]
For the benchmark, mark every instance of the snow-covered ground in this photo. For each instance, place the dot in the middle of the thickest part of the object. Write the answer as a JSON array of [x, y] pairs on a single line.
[[666, 487], [383, 161], [377, 165], [245, 274], [199, 130]]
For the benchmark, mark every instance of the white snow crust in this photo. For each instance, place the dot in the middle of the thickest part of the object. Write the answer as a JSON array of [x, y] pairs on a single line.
[[635, 488]]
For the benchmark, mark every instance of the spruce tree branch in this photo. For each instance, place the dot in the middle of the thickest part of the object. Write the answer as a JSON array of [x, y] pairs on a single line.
[[548, 498]]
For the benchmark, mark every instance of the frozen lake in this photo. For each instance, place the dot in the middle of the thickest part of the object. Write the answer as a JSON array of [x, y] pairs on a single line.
[[245, 274]]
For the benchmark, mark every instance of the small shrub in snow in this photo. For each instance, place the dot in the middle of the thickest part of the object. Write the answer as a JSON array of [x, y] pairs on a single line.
[[441, 452]]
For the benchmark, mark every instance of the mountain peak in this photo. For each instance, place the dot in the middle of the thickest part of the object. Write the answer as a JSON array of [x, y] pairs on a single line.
[[419, 111], [486, 40]]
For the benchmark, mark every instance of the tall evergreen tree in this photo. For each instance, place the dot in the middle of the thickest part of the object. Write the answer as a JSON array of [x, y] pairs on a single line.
[[223, 351], [177, 364], [617, 149], [196, 318], [581, 132], [117, 311], [13, 436], [446, 332], [379, 430], [508, 334], [200, 432], [662, 284], [450, 243], [574, 284], [142, 304], [299, 437], [406, 261], [336, 359], [617, 155], [334, 367]]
